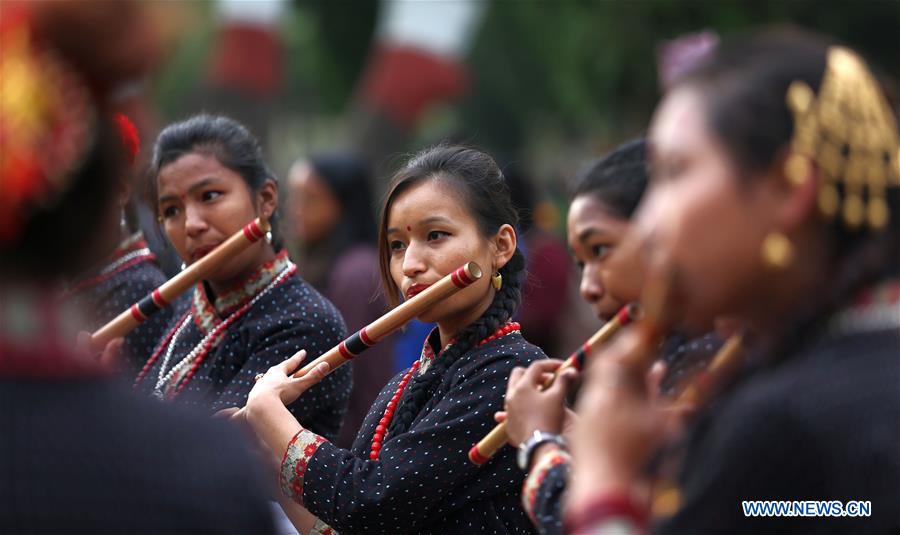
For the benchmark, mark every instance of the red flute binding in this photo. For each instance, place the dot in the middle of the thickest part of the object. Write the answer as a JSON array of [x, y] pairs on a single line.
[[493, 441], [172, 288], [396, 318]]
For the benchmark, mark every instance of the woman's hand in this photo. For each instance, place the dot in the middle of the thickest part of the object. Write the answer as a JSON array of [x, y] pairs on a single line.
[[108, 358], [529, 408], [277, 386], [619, 425]]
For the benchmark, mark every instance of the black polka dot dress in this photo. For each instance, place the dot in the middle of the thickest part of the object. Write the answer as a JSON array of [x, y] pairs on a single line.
[[129, 275], [422, 480], [214, 349]]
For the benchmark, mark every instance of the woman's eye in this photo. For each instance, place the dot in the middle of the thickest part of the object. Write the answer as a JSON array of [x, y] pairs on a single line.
[[169, 211], [600, 250], [437, 234], [210, 195], [397, 245], [667, 170]]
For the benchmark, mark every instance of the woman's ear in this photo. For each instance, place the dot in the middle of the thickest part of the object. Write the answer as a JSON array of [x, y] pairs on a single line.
[[505, 242], [267, 199], [796, 195]]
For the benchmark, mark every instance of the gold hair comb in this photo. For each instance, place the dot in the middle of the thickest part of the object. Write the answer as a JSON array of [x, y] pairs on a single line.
[[850, 132]]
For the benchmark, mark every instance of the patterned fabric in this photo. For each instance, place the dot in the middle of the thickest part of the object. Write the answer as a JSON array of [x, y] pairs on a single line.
[[128, 276], [822, 424], [321, 528], [543, 488], [291, 317], [293, 464], [685, 359], [423, 481], [208, 314], [36, 336]]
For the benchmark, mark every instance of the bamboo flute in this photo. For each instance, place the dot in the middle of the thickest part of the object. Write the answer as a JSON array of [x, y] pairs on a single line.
[[497, 437], [396, 318], [161, 297]]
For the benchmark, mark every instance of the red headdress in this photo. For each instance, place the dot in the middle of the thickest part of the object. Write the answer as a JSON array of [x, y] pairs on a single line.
[[47, 125], [129, 134]]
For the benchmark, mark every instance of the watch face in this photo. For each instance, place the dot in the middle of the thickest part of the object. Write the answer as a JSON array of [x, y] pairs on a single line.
[[525, 449]]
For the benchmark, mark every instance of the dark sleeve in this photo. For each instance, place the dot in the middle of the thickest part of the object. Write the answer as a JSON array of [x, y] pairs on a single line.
[[543, 490], [754, 449], [140, 343], [322, 406], [421, 475]]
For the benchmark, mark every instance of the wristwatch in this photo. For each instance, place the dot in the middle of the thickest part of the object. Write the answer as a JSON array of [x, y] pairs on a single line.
[[526, 449]]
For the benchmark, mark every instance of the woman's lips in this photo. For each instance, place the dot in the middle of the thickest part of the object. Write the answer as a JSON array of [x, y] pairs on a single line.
[[200, 252], [416, 289]]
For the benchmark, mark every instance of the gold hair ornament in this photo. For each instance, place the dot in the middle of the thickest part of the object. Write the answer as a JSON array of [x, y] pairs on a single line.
[[850, 132]]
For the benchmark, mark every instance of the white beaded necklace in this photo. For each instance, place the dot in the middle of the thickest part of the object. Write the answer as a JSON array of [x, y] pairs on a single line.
[[178, 369]]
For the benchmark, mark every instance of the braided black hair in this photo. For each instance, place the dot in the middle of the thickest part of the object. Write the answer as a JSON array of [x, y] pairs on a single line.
[[477, 178]]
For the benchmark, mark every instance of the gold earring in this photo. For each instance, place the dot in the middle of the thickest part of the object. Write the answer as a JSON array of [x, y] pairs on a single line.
[[497, 281], [777, 250]]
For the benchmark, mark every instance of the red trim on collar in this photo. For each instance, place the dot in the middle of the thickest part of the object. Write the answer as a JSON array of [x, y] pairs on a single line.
[[47, 354], [207, 315], [133, 243]]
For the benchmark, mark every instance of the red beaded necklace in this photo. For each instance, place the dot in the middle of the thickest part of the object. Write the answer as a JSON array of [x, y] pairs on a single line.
[[385, 421]]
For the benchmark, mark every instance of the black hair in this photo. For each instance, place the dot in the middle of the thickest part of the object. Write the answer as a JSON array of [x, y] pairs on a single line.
[[744, 85], [618, 179], [223, 138], [348, 177], [59, 239], [480, 184], [523, 193]]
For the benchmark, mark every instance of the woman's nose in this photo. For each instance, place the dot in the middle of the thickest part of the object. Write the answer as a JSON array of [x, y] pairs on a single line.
[[591, 287]]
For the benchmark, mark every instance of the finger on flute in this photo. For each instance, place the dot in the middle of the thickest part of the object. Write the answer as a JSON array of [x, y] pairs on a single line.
[[177, 285], [626, 315], [493, 441]]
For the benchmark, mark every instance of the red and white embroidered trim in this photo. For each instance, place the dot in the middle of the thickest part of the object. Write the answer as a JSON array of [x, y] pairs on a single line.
[[537, 475], [296, 458]]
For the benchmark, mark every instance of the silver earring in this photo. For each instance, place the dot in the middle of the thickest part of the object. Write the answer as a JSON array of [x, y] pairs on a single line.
[[183, 265], [269, 236]]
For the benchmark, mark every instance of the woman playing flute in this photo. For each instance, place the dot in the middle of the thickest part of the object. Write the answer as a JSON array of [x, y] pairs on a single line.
[[776, 196], [606, 196], [408, 471], [210, 179], [127, 272]]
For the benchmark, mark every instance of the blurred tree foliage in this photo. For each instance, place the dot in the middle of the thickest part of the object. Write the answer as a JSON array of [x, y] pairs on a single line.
[[590, 65], [585, 69]]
